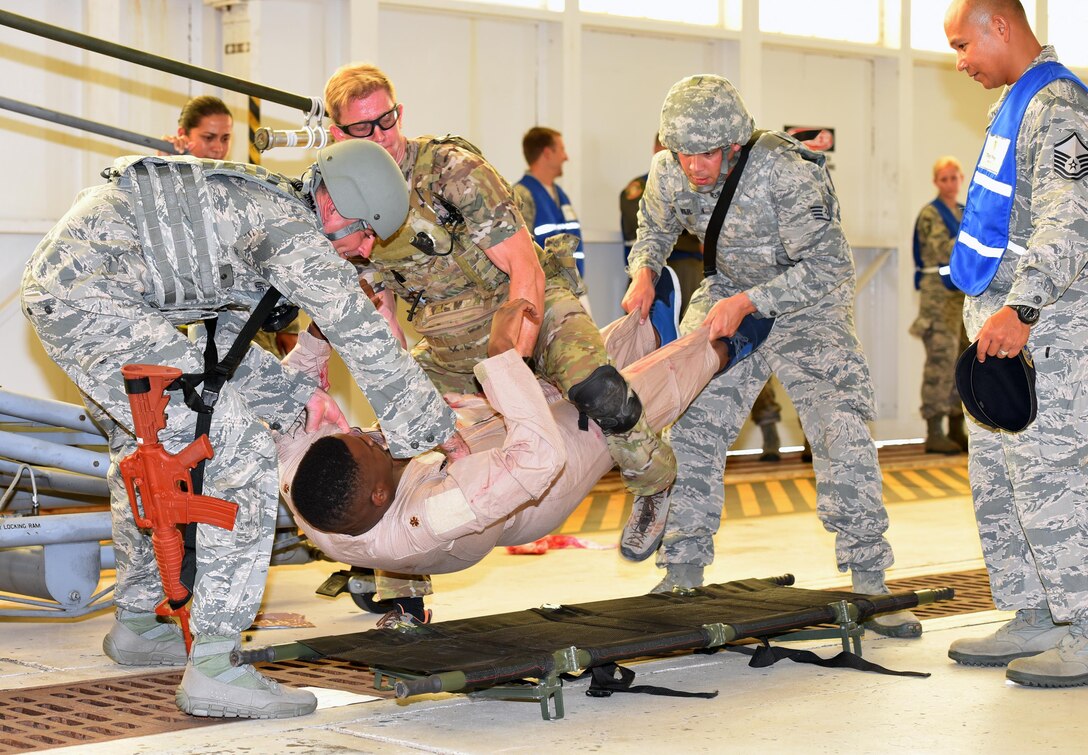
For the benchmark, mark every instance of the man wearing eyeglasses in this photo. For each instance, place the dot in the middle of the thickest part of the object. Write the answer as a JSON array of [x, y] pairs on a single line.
[[464, 251]]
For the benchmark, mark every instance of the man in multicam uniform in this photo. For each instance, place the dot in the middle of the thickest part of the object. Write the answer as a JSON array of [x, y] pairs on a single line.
[[465, 250], [173, 240], [781, 254], [1029, 487], [940, 310]]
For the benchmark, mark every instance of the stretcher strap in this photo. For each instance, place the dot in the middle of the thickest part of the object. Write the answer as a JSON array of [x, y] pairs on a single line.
[[766, 655], [604, 682]]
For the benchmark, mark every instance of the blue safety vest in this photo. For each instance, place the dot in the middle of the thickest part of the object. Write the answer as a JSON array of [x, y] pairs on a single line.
[[552, 218], [953, 227], [984, 232]]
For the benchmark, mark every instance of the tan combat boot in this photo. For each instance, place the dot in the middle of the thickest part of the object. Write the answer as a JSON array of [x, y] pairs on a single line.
[[143, 639], [771, 443], [213, 687], [895, 624], [1031, 632], [957, 430], [1063, 666], [645, 526], [936, 441], [680, 577]]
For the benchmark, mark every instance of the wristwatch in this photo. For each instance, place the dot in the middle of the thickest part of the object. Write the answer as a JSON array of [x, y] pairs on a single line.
[[1028, 315]]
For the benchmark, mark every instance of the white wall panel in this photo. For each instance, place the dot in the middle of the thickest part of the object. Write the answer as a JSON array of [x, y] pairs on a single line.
[[949, 118], [475, 77], [810, 89], [625, 79]]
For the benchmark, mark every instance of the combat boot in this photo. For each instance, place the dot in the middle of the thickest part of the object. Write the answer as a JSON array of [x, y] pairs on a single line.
[[957, 430], [936, 441], [680, 577], [213, 687], [1033, 631], [895, 624], [771, 443], [143, 639], [1063, 666], [645, 526]]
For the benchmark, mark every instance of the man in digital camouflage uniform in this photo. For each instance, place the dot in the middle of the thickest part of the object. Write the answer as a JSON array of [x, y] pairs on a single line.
[[173, 240], [1020, 257], [781, 254], [465, 250]]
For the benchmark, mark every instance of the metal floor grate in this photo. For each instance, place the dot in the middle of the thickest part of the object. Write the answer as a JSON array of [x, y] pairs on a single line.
[[102, 710], [972, 593]]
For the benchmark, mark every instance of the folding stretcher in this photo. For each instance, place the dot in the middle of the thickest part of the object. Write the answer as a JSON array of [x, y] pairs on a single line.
[[487, 655]]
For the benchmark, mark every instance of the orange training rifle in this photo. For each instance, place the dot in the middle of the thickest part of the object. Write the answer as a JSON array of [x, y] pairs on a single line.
[[164, 485]]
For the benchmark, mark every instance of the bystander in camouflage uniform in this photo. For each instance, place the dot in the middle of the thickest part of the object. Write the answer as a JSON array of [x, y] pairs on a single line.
[[460, 208], [168, 241], [1029, 487], [782, 245], [939, 323]]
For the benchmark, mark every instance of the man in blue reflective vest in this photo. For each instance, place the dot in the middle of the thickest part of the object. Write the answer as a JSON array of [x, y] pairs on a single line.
[[1021, 256], [543, 203]]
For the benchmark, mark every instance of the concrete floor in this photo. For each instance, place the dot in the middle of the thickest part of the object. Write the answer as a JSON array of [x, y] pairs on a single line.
[[787, 708]]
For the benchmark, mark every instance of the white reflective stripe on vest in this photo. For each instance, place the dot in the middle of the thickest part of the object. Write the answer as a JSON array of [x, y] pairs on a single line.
[[997, 187], [986, 251], [540, 230], [1017, 248]]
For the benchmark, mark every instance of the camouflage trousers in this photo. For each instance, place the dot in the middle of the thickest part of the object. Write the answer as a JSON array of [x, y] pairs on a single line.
[[568, 350], [231, 565], [1029, 491], [817, 358], [940, 326]]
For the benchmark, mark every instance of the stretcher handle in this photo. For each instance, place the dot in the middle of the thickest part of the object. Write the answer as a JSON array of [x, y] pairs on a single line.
[[448, 681], [289, 651]]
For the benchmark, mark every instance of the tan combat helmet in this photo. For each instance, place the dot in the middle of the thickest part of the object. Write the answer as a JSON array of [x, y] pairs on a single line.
[[364, 182]]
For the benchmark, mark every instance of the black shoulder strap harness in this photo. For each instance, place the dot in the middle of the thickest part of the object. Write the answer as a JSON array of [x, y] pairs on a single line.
[[717, 218], [215, 374]]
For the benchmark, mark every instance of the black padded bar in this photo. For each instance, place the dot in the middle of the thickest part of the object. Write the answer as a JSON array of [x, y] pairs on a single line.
[[148, 60]]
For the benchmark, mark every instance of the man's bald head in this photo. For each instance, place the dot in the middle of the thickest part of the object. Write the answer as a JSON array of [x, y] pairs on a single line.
[[981, 11], [993, 40]]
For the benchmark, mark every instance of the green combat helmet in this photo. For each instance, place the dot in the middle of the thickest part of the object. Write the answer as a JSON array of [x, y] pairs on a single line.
[[364, 183], [703, 113]]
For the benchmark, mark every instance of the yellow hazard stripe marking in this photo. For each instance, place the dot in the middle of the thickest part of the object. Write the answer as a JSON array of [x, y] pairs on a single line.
[[605, 511], [920, 482]]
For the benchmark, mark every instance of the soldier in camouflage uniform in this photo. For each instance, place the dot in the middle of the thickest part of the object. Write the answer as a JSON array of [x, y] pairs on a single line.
[[781, 254], [463, 252], [1029, 487], [940, 311], [173, 240]]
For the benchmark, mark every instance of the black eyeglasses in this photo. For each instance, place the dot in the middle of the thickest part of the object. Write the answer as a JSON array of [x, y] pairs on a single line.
[[363, 129]]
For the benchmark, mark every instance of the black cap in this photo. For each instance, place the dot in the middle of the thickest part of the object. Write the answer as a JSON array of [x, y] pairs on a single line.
[[998, 393]]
